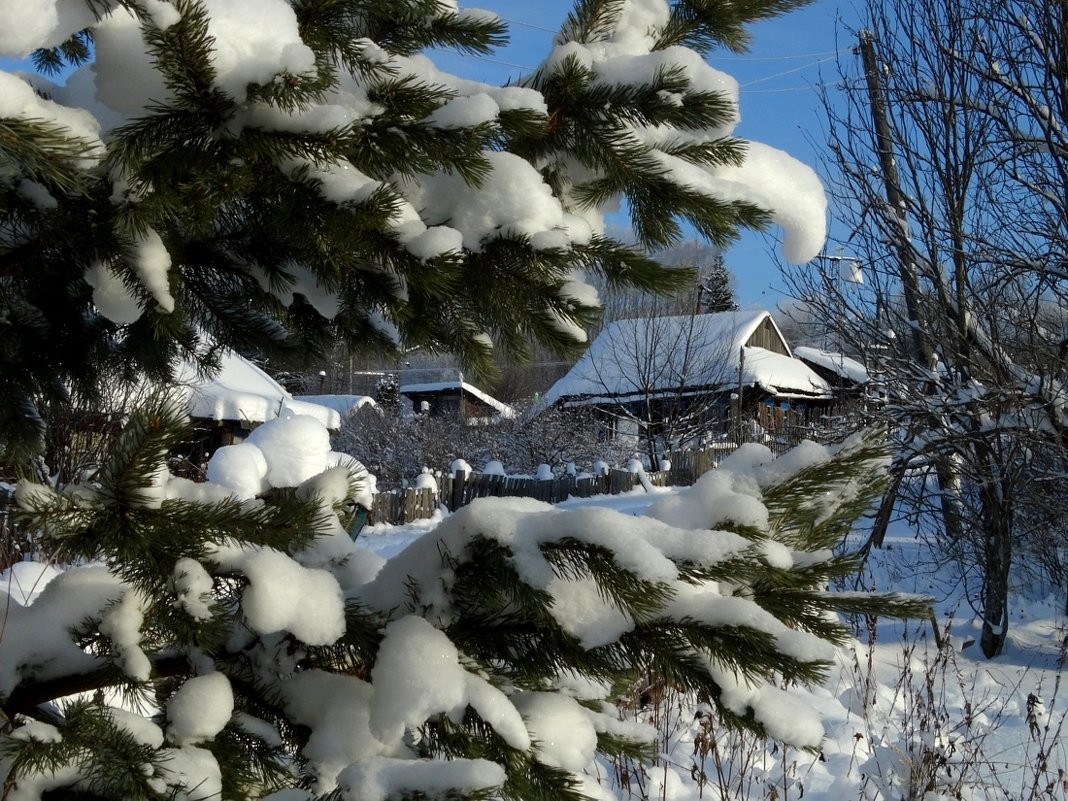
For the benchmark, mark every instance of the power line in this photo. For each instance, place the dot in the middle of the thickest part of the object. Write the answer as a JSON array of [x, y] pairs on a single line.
[[484, 58], [792, 57], [820, 55], [529, 25], [826, 56], [809, 88], [786, 72], [779, 58]]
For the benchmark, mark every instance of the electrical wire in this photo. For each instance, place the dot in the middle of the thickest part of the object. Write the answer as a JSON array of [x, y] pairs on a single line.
[[484, 58], [821, 55], [821, 58], [825, 53], [815, 63], [529, 25], [808, 88]]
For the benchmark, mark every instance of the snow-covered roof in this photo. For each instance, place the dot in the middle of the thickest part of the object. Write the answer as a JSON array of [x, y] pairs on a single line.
[[242, 391], [835, 362], [631, 358], [442, 387], [342, 404], [782, 376]]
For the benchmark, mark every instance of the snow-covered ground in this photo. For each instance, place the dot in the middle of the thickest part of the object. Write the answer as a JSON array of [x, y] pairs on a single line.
[[903, 720]]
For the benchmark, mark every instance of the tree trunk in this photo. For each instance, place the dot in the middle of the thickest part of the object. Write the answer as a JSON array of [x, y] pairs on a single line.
[[997, 554]]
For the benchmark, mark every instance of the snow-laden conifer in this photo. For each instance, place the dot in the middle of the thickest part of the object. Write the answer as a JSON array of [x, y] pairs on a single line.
[[212, 640], [265, 173]]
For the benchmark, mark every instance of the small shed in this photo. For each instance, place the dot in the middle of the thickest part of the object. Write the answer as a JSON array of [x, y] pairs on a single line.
[[457, 399], [836, 369]]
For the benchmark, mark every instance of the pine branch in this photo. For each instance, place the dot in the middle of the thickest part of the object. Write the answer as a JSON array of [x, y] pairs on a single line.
[[413, 25], [815, 507], [575, 560], [727, 152], [704, 25], [74, 52], [25, 698], [182, 53], [590, 20], [47, 153], [109, 758]]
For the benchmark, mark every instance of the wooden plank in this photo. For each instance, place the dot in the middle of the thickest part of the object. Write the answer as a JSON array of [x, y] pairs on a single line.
[[620, 481], [423, 506]]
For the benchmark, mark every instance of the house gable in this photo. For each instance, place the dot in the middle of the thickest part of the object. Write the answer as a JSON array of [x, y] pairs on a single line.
[[765, 334]]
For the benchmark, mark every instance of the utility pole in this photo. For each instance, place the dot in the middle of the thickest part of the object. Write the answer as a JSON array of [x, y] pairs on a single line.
[[739, 427], [920, 349]]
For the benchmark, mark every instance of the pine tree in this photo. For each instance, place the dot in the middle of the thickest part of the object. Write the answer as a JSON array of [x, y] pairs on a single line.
[[715, 287], [229, 640]]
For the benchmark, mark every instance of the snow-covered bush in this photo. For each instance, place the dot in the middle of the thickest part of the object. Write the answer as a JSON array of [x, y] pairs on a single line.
[[493, 467]]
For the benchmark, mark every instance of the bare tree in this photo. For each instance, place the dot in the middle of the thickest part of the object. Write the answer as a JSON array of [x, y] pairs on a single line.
[[557, 438], [952, 165], [395, 445]]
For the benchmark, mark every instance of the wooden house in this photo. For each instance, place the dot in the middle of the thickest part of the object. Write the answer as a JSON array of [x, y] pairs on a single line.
[[227, 405], [717, 370]]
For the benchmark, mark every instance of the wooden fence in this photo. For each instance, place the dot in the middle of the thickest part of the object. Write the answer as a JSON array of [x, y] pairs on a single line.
[[456, 491], [404, 506]]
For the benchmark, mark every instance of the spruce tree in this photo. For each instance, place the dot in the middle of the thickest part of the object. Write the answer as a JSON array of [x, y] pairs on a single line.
[[261, 173], [230, 640], [387, 393], [715, 290]]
